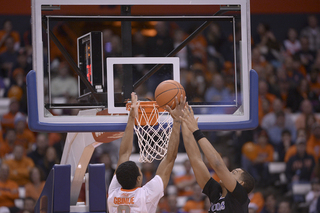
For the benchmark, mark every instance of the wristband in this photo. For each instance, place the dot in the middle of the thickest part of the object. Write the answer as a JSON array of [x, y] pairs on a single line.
[[198, 135]]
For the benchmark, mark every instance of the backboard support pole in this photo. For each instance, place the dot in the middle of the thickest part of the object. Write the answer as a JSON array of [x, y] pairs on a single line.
[[126, 40]]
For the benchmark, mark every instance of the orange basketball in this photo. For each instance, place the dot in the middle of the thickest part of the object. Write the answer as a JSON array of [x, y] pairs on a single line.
[[166, 92]]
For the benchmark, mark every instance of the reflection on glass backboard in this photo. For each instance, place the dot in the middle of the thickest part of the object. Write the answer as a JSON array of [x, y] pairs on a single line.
[[99, 52]]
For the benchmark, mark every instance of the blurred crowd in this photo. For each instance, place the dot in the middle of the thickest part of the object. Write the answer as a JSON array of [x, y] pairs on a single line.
[[289, 121]]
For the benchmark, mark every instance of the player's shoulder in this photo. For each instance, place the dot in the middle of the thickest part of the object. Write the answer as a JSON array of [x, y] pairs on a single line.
[[156, 180], [154, 185], [239, 194]]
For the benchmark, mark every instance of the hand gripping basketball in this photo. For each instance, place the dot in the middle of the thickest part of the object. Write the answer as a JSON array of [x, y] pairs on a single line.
[[189, 119], [167, 91], [177, 112]]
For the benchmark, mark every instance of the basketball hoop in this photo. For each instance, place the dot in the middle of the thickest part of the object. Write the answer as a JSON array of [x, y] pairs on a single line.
[[153, 129]]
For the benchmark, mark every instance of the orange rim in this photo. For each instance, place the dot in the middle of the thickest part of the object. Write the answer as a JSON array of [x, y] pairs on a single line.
[[148, 107]]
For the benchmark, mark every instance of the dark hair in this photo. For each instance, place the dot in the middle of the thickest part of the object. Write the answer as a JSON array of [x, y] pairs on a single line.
[[263, 133], [268, 193], [127, 174], [248, 181], [285, 131], [41, 173], [280, 114], [284, 200]]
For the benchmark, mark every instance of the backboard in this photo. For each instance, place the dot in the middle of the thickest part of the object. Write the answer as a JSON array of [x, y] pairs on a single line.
[[205, 45]]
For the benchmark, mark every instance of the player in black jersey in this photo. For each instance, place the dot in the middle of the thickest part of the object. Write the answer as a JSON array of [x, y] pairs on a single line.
[[231, 193]]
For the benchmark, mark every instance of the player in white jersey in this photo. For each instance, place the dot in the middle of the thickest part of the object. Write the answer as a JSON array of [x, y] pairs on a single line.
[[126, 193]]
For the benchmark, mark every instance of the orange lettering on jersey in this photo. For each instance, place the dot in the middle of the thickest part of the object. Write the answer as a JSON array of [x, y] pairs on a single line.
[[123, 200]]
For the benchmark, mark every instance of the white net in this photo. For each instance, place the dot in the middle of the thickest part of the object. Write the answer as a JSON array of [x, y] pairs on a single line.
[[153, 129]]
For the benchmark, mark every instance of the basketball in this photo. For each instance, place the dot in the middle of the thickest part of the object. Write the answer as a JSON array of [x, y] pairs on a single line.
[[166, 92]]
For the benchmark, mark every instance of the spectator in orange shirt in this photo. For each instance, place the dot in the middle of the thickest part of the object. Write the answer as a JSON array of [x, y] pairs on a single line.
[[261, 65], [256, 200], [20, 166], [36, 184], [4, 146], [184, 182], [10, 139], [7, 31], [257, 156], [25, 137], [195, 203], [7, 120], [8, 188], [264, 149], [198, 47], [314, 140], [293, 151]]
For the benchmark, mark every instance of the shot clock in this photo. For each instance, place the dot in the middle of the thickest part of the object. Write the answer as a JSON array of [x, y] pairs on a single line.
[[90, 62]]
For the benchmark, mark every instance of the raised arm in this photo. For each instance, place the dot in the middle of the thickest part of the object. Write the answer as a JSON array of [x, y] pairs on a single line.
[[127, 139], [199, 168], [209, 151], [165, 167]]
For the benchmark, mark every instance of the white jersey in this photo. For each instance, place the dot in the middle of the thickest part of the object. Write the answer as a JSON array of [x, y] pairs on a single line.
[[138, 200]]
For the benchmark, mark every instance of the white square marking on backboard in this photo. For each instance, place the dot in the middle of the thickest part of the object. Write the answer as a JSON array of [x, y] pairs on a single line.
[[135, 60]]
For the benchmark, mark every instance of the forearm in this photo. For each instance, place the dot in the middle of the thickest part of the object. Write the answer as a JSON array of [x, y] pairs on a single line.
[[166, 165], [211, 154], [173, 142], [199, 168], [190, 145], [126, 141]]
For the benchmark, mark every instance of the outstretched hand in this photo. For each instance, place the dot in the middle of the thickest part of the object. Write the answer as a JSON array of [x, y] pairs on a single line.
[[188, 119], [177, 112], [134, 105]]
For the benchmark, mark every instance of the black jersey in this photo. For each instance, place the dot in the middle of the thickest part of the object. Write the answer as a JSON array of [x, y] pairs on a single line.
[[234, 202]]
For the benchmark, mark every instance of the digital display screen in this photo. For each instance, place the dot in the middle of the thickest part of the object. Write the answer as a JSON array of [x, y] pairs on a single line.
[[88, 61]]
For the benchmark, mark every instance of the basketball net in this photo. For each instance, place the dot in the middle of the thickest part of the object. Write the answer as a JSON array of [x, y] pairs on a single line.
[[153, 128]]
